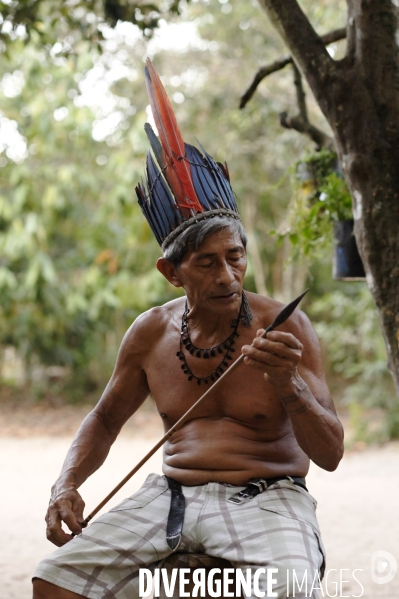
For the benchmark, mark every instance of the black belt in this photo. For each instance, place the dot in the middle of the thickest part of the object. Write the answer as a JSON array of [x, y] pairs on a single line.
[[261, 484], [177, 508], [175, 521]]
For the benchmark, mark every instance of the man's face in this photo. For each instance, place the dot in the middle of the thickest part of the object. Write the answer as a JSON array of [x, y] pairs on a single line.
[[212, 276]]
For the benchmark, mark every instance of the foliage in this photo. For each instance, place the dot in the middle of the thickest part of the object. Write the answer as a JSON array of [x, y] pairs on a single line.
[[70, 22], [320, 197], [77, 258], [348, 325]]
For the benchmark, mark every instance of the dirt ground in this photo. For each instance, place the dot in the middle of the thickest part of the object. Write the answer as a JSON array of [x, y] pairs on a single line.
[[358, 504]]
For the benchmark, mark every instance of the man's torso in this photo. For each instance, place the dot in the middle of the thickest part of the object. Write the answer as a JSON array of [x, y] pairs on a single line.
[[241, 431]]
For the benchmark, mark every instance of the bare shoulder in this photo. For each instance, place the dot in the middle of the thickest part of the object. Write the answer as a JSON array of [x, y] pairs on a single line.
[[150, 326], [265, 310], [129, 379]]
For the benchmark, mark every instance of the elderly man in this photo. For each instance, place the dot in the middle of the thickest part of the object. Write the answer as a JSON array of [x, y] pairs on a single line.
[[241, 460]]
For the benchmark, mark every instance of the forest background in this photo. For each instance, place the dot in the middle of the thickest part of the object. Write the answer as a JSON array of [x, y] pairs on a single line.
[[77, 259]]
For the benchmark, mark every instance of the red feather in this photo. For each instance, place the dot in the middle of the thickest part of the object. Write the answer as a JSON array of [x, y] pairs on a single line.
[[178, 172]]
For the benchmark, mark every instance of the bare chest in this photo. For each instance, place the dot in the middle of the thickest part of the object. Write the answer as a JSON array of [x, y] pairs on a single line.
[[244, 396]]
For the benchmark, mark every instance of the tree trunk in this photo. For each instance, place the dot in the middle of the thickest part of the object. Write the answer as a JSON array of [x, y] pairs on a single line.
[[250, 216], [359, 96]]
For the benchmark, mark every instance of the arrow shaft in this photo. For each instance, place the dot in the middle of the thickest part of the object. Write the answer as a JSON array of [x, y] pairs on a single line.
[[281, 317]]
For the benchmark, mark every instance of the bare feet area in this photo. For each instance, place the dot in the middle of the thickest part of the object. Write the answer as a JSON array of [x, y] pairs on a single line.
[[357, 511]]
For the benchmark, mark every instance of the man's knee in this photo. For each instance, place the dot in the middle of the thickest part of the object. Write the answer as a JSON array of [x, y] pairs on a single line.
[[46, 590]]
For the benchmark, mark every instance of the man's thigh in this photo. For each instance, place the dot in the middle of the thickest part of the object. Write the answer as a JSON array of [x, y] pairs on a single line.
[[276, 530], [103, 562]]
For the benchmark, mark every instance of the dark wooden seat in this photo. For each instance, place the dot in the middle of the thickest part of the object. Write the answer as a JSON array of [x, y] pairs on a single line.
[[194, 561]]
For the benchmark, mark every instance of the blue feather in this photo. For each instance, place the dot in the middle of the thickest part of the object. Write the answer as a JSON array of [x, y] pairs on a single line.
[[155, 145], [143, 203], [222, 183], [168, 203], [223, 186], [153, 176], [202, 190], [209, 180], [163, 199], [225, 182], [206, 180], [155, 220]]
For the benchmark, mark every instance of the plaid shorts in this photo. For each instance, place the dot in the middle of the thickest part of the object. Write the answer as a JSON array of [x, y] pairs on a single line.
[[277, 529]]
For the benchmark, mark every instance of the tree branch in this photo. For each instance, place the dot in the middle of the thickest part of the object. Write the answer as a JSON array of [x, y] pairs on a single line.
[[300, 94], [305, 45], [262, 74], [328, 38], [321, 139], [333, 36], [301, 122]]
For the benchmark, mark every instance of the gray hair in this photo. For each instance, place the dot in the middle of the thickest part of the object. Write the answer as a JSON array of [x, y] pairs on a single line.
[[194, 236]]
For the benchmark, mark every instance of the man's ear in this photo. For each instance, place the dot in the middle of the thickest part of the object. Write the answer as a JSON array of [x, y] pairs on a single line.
[[169, 271]]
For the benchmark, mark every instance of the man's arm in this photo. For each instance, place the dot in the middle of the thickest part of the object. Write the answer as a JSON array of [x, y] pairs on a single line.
[[125, 392], [294, 368]]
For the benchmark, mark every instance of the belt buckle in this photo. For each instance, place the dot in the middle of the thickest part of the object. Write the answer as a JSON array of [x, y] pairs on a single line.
[[243, 496], [240, 498], [260, 483]]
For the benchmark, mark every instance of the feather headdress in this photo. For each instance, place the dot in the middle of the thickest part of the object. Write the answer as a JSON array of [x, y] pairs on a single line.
[[187, 185]]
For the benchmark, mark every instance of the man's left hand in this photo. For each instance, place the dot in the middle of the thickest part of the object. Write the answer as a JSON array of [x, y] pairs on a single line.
[[277, 356]]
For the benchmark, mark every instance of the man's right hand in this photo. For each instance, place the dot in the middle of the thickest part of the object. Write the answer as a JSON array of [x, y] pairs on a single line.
[[124, 394], [67, 506]]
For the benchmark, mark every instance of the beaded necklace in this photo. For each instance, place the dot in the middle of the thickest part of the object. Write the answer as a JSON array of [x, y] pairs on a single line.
[[226, 347]]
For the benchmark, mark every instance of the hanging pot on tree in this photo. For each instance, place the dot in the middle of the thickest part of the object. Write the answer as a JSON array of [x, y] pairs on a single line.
[[347, 264]]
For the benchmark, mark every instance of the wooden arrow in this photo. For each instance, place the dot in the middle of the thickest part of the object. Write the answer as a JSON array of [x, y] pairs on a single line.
[[280, 318]]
